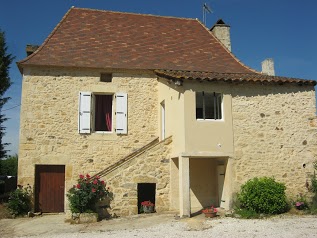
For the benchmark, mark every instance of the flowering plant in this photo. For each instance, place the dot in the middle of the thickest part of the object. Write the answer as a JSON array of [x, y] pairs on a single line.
[[300, 203], [212, 209], [86, 193], [147, 204]]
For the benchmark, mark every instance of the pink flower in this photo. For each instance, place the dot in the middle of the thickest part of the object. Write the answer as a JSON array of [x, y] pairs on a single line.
[[81, 176], [95, 181], [103, 182], [87, 176], [78, 186], [98, 177], [93, 190]]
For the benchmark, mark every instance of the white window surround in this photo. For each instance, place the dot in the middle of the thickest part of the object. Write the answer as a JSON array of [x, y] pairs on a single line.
[[86, 118]]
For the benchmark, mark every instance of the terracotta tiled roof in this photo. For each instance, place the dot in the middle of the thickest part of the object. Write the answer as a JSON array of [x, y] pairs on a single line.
[[105, 39], [231, 77]]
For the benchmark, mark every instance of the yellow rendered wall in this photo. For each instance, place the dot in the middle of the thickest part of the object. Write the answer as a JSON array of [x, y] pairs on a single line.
[[203, 183], [211, 136]]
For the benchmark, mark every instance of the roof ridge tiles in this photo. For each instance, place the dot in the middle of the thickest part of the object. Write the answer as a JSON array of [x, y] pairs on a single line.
[[133, 13]]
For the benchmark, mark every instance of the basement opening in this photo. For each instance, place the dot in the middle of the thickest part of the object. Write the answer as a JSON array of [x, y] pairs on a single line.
[[146, 192]]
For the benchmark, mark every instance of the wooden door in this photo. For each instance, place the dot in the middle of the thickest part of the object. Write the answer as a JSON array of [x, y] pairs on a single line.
[[49, 188]]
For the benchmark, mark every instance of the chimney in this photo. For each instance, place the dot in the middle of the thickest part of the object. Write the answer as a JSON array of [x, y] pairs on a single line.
[[222, 31], [30, 49], [268, 67]]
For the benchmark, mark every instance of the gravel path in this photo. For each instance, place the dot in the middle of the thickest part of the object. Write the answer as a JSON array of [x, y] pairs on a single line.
[[164, 225]]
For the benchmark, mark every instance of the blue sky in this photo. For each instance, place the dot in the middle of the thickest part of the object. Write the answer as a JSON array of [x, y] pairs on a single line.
[[284, 30]]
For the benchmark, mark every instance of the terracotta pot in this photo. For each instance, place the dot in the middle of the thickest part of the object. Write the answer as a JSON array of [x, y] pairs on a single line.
[[148, 209], [210, 214]]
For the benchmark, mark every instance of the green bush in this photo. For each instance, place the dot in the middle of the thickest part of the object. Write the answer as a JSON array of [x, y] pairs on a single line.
[[246, 214], [84, 196], [263, 195], [20, 201]]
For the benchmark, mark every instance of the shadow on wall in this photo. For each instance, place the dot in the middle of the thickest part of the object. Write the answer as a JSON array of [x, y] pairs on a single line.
[[204, 183]]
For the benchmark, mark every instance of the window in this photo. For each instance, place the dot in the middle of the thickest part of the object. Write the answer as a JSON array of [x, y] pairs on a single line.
[[103, 112], [106, 77], [208, 106], [96, 113]]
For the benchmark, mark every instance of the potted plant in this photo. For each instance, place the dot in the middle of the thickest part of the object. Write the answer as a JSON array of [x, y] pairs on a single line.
[[210, 212], [84, 196], [147, 207]]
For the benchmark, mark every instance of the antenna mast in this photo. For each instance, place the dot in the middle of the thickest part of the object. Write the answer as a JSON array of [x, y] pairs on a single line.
[[206, 9]]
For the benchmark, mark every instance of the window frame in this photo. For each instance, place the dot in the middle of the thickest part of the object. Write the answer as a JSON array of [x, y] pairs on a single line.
[[216, 96], [93, 118]]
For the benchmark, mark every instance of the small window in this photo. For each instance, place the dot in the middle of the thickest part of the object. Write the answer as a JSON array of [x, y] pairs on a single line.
[[103, 112], [106, 77], [208, 106]]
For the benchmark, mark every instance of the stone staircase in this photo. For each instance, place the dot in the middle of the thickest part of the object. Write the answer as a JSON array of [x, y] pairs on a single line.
[[149, 164], [127, 158]]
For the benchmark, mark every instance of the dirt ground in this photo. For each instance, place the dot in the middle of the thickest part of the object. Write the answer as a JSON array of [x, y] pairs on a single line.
[[161, 225], [4, 212], [48, 225]]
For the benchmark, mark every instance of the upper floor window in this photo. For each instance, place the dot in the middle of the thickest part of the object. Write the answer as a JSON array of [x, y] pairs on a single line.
[[208, 106], [103, 112], [96, 112]]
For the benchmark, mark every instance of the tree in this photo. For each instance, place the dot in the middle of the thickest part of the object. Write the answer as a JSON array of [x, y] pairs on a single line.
[[5, 82], [9, 166]]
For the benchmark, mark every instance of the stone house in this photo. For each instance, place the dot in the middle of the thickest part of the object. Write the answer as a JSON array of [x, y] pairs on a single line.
[[162, 110]]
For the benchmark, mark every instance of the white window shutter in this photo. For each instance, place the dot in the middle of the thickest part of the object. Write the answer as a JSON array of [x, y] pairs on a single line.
[[121, 113], [84, 112]]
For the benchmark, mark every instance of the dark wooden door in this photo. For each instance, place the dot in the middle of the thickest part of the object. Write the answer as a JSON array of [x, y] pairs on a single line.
[[49, 188]]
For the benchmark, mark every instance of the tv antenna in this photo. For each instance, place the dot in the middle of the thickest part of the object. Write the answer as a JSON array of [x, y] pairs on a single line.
[[206, 9]]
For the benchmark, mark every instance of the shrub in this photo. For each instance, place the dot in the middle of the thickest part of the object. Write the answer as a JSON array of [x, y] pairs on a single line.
[[84, 196], [313, 189], [20, 200], [263, 195], [246, 214]]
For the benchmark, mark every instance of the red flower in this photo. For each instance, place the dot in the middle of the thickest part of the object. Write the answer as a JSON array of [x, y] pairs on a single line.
[[87, 176], [78, 186], [98, 177], [103, 182], [93, 190], [147, 204], [81, 176], [95, 181]]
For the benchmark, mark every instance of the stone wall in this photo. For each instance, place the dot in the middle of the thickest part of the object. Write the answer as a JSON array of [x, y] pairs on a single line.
[[49, 120], [274, 133], [152, 166]]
